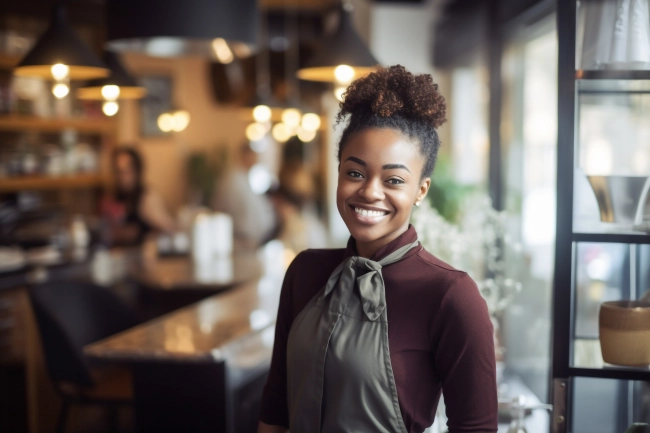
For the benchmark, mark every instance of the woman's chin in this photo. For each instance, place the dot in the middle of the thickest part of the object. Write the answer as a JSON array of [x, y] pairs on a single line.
[[363, 233]]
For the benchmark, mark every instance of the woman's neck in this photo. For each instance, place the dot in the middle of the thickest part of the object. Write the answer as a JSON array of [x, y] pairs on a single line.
[[368, 249]]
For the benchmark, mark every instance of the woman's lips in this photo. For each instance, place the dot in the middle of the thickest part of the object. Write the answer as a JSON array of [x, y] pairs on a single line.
[[368, 215]]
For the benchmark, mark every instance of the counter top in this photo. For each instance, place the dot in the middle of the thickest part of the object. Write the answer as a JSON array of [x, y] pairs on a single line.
[[203, 332], [38, 274], [179, 273], [214, 329]]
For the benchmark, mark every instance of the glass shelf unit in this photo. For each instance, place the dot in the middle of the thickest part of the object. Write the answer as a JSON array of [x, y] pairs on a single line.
[[602, 250], [604, 272], [612, 157], [619, 404]]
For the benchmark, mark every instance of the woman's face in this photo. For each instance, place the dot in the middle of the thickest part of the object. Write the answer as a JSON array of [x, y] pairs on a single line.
[[125, 174], [379, 182]]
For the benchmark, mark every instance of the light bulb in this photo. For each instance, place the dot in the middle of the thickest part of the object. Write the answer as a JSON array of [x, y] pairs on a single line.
[[281, 133], [222, 51], [306, 135], [310, 121], [110, 108], [165, 122], [338, 92], [291, 117], [255, 131], [344, 74], [60, 71], [60, 90], [110, 92], [262, 113], [181, 119]]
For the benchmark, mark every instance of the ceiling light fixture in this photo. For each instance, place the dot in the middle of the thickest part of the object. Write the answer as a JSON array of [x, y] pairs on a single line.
[[342, 56], [169, 28], [60, 54], [119, 85]]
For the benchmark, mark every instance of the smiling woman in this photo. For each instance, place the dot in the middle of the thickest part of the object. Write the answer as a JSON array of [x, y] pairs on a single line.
[[367, 337], [379, 182]]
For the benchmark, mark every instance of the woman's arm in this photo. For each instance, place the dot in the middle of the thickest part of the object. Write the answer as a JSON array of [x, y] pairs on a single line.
[[153, 211], [465, 359], [274, 412]]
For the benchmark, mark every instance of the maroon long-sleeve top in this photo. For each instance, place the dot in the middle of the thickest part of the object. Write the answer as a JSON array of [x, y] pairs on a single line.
[[439, 336]]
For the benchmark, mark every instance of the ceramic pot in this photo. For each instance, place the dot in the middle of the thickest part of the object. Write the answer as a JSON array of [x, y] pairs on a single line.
[[625, 332]]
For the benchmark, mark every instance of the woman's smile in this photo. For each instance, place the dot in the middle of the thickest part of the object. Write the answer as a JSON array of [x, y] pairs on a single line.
[[369, 214]]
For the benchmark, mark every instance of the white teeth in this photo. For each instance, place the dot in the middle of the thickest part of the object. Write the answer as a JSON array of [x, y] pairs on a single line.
[[369, 213]]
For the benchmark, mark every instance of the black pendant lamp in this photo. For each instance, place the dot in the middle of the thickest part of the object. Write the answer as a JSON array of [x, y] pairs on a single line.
[[119, 76], [60, 54], [119, 85], [169, 28], [341, 57]]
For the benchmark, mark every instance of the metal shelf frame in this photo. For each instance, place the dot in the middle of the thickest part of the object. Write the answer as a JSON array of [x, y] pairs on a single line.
[[564, 287], [612, 238]]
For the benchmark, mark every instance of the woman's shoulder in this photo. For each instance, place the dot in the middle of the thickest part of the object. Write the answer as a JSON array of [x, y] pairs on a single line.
[[446, 277], [308, 272], [433, 264]]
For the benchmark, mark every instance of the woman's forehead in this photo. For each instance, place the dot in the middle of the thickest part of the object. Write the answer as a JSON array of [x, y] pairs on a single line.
[[382, 146]]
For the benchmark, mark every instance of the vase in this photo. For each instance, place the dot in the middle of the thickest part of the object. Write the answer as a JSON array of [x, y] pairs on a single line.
[[625, 333]]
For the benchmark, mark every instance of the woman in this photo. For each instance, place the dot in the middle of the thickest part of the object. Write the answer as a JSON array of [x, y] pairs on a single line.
[[294, 202], [135, 210], [368, 337]]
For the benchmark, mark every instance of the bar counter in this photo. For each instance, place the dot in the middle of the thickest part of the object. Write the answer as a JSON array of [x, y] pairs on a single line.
[[202, 368], [202, 332]]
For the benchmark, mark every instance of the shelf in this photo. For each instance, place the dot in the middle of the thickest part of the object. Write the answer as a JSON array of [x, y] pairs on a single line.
[[613, 75], [613, 238], [46, 182], [588, 362], [619, 373], [30, 123]]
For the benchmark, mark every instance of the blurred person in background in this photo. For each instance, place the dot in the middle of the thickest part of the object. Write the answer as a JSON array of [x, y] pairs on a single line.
[[134, 210], [254, 219], [299, 226]]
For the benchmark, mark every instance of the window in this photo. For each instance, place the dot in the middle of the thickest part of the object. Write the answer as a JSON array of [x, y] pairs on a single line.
[[529, 149]]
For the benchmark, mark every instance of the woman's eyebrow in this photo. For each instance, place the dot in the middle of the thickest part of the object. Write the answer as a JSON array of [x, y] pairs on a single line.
[[395, 166], [357, 160]]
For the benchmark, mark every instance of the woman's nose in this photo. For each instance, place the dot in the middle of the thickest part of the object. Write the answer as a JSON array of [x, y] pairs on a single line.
[[371, 190]]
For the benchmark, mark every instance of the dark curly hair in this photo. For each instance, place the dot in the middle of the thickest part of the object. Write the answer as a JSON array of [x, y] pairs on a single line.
[[394, 98]]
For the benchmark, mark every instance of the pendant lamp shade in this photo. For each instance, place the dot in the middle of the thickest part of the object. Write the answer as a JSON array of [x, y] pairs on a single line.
[[129, 88], [61, 45], [344, 47], [169, 28]]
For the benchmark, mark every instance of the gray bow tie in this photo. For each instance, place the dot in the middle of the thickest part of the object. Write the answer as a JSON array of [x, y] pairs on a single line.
[[370, 282]]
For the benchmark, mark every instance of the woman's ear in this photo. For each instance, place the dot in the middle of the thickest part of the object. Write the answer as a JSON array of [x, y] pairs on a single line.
[[422, 192]]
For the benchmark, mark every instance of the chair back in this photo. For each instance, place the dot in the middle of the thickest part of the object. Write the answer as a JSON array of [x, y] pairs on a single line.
[[71, 315]]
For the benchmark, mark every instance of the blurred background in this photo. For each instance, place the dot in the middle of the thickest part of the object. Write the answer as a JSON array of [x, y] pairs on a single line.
[[162, 162]]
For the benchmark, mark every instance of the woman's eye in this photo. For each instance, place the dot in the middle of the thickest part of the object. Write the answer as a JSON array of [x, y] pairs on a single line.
[[354, 174], [395, 181]]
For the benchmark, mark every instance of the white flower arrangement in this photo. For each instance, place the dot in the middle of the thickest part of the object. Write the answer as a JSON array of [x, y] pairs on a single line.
[[478, 244]]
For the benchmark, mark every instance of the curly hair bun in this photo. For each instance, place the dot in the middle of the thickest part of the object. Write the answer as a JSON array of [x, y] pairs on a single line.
[[395, 91]]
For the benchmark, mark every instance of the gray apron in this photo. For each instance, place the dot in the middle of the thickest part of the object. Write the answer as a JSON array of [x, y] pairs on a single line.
[[339, 374]]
